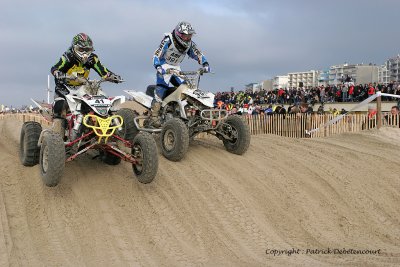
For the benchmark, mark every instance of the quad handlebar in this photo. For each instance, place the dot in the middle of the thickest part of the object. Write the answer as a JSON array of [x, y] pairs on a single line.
[[91, 87], [200, 71], [83, 80], [192, 78]]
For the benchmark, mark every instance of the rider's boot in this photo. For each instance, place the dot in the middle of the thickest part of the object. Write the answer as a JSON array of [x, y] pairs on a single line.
[[155, 110], [159, 94], [59, 115]]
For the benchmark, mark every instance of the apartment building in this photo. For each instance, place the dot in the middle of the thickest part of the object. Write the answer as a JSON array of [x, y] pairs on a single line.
[[383, 74], [280, 82], [323, 78], [359, 73], [267, 85], [338, 72], [393, 68], [306, 79]]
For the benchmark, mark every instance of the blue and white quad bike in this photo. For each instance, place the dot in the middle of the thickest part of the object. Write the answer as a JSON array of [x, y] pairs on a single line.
[[186, 112], [93, 121]]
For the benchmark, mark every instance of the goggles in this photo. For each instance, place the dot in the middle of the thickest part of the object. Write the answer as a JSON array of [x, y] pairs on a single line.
[[83, 49], [184, 37]]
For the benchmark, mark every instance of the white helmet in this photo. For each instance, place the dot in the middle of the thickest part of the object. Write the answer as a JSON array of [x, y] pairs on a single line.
[[183, 33]]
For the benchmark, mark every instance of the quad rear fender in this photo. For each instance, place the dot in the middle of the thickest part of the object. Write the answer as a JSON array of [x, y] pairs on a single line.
[[140, 97], [117, 100]]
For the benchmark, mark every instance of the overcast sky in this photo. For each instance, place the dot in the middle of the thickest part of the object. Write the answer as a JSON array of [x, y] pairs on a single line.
[[244, 41]]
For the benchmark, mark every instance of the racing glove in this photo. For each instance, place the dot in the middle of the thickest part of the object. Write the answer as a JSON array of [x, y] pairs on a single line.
[[160, 70], [112, 77], [206, 67], [58, 74]]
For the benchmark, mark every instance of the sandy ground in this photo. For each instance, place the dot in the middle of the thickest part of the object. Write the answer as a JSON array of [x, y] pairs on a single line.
[[213, 208]]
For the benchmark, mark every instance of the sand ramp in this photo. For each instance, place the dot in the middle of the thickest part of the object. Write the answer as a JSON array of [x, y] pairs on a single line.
[[211, 209]]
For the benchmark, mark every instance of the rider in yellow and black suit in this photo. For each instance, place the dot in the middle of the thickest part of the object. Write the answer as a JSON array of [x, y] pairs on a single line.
[[76, 61]]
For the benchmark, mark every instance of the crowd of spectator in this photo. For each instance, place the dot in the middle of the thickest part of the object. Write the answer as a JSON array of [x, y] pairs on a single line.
[[24, 109], [300, 99]]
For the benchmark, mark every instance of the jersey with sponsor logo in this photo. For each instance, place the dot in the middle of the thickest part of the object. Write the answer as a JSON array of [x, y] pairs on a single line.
[[168, 53], [70, 65]]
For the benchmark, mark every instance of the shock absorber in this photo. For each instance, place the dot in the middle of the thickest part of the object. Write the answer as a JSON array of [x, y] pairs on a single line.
[[77, 124]]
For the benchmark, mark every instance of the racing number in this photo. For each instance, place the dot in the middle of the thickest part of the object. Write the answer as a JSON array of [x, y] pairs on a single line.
[[173, 58]]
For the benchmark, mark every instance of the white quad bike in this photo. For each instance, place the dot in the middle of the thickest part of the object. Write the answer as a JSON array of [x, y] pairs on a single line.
[[186, 112], [93, 122]]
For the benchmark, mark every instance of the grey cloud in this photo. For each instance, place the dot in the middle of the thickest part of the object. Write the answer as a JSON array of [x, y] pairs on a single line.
[[244, 41]]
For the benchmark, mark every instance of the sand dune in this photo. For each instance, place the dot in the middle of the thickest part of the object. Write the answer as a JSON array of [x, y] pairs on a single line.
[[211, 209]]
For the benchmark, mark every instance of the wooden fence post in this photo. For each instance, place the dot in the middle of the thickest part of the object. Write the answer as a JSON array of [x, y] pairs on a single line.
[[379, 112]]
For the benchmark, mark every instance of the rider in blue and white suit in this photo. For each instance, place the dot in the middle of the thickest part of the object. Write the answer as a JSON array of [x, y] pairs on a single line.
[[170, 53]]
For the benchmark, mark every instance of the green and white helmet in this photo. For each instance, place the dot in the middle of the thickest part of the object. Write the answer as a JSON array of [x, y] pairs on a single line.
[[82, 47], [183, 33]]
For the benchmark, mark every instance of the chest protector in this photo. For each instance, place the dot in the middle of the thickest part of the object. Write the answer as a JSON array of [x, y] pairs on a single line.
[[79, 71], [173, 56]]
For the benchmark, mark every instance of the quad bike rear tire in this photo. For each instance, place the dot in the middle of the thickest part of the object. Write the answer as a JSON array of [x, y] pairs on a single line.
[[52, 158], [144, 150], [28, 145], [240, 133], [174, 139]]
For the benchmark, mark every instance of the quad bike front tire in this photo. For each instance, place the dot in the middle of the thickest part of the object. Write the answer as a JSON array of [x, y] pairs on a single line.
[[240, 133], [59, 127], [52, 158], [144, 150], [174, 139], [28, 144], [129, 130]]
